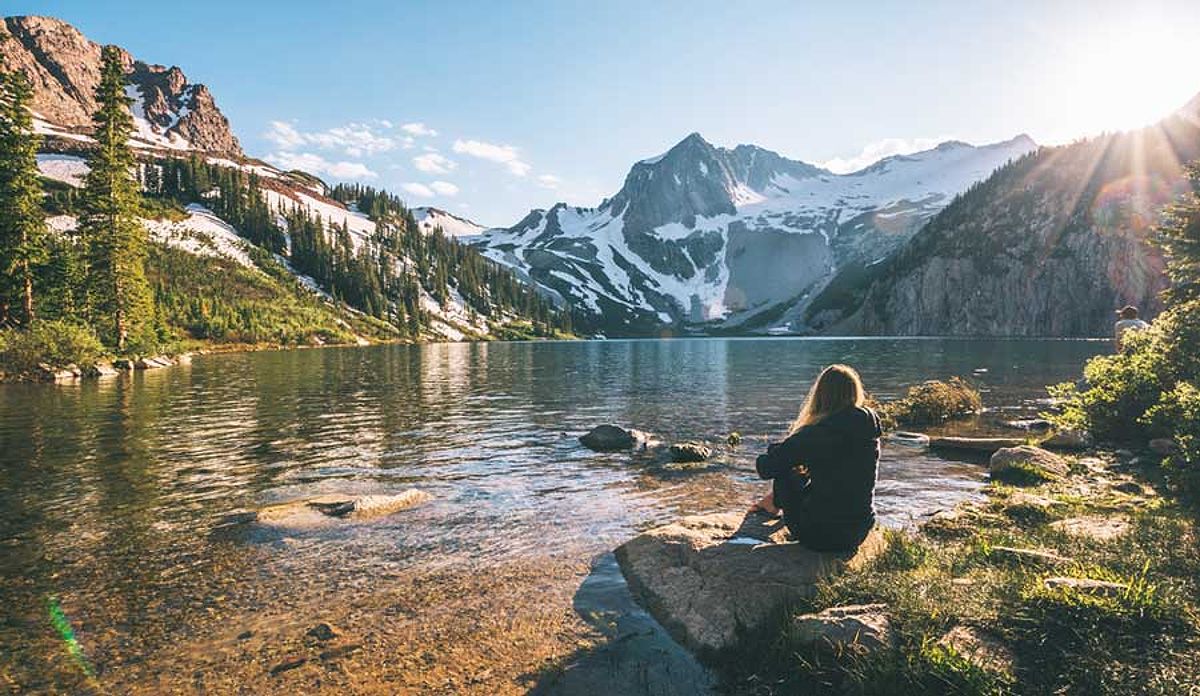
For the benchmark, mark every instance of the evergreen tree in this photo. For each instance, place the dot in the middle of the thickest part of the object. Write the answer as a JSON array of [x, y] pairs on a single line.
[[22, 222], [1179, 238], [119, 296]]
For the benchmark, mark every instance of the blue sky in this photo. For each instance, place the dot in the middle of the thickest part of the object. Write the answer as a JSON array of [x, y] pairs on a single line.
[[515, 105]]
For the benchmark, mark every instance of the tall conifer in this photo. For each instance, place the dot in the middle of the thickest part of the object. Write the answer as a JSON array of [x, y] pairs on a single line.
[[22, 221], [119, 296]]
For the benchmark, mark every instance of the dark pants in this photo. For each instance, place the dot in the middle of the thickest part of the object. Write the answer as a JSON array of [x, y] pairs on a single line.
[[790, 491]]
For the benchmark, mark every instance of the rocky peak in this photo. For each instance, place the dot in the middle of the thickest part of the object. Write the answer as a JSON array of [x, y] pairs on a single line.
[[64, 69]]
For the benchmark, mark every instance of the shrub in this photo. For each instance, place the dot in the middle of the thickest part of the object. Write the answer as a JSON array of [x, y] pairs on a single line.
[[55, 343], [1178, 413], [933, 402]]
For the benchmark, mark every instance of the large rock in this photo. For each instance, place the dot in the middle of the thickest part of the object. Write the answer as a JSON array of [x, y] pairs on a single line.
[[1069, 440], [857, 627], [707, 577], [613, 438], [1094, 527], [1029, 460], [324, 509]]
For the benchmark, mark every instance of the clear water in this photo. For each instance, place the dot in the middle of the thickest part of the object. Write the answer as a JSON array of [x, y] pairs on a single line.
[[110, 491]]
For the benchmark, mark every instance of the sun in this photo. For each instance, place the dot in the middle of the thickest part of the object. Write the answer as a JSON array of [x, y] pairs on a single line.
[[1124, 73]]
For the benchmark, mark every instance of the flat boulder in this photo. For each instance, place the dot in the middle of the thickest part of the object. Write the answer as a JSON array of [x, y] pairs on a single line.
[[325, 509], [986, 445], [707, 577], [1093, 527], [1030, 461], [1030, 424], [980, 649], [613, 438], [859, 628], [1069, 440], [690, 452]]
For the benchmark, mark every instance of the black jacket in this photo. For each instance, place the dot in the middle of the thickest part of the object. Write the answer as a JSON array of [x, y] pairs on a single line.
[[841, 453]]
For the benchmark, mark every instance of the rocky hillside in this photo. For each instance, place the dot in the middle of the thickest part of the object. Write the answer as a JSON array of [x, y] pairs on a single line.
[[64, 68], [710, 238], [1047, 246]]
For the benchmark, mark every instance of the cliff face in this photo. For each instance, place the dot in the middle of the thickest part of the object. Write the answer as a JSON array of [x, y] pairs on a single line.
[[64, 69], [1047, 246]]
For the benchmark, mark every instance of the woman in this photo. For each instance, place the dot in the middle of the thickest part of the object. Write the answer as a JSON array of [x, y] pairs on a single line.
[[824, 472]]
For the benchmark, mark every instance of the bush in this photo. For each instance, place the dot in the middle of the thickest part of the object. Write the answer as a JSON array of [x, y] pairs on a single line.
[[933, 402], [1147, 390], [54, 343]]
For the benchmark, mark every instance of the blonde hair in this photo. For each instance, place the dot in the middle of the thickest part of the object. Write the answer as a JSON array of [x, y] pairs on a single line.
[[838, 387]]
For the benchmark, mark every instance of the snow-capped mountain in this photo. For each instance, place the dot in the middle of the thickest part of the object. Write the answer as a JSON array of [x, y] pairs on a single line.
[[735, 238], [429, 218]]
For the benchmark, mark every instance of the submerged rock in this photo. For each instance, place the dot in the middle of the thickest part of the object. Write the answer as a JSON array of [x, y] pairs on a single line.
[[858, 627], [1029, 460], [708, 576], [322, 509], [690, 452], [1163, 446], [1032, 424], [613, 438], [986, 445], [1069, 440]]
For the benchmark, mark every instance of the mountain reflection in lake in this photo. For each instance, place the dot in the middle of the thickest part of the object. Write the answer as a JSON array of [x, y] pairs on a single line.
[[111, 491]]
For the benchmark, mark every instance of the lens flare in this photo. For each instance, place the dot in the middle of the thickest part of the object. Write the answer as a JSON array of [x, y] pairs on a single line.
[[62, 626]]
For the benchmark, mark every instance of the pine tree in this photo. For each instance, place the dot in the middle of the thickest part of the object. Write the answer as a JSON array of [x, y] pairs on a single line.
[[22, 222], [119, 296], [1179, 238]]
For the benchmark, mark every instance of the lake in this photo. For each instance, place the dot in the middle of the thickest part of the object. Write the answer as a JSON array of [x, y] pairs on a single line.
[[115, 498]]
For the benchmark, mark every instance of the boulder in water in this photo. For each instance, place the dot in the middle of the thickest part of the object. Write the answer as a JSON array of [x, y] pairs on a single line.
[[613, 438], [690, 452], [1032, 424], [706, 577], [1163, 446], [306, 512]]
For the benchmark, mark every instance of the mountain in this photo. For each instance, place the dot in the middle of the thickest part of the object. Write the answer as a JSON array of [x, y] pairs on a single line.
[[732, 239], [1049, 245], [451, 225], [243, 251], [64, 68]]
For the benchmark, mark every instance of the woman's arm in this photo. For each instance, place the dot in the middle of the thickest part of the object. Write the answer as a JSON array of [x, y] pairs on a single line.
[[782, 456]]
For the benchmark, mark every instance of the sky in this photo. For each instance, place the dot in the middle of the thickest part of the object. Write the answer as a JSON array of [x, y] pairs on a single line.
[[488, 109]]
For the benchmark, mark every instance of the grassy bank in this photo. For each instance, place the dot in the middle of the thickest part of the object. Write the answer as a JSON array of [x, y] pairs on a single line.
[[1113, 519]]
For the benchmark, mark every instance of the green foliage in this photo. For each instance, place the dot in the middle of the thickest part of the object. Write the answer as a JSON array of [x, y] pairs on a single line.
[[55, 343], [119, 299], [1178, 413], [933, 402], [22, 223], [1179, 237]]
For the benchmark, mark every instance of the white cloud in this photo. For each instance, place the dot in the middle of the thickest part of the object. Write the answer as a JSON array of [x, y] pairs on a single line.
[[501, 154], [548, 181], [878, 150], [420, 190], [354, 139], [316, 164], [418, 129], [434, 163], [444, 187]]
